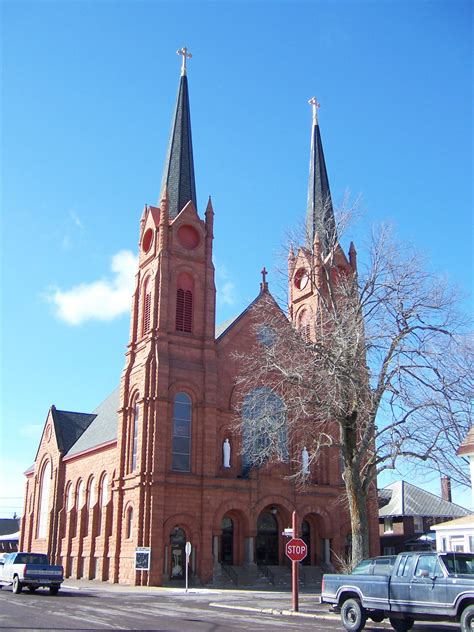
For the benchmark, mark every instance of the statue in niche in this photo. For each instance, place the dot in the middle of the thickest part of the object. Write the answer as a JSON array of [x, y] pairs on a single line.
[[226, 453], [305, 461]]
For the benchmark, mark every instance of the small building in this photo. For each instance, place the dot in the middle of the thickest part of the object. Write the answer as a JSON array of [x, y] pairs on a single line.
[[407, 513], [455, 535], [9, 534]]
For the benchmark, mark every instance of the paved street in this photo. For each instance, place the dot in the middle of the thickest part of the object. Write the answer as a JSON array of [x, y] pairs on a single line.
[[87, 606]]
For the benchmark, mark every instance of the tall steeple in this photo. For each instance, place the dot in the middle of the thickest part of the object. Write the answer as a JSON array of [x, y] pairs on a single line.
[[319, 213], [178, 173]]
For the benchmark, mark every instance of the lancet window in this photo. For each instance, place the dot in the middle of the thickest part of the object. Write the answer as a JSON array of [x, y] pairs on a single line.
[[182, 417], [45, 485], [184, 303]]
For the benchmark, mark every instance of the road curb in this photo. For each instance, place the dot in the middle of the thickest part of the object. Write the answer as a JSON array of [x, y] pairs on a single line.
[[291, 613]]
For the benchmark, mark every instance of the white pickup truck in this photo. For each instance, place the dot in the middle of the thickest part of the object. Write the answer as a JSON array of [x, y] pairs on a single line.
[[32, 570]]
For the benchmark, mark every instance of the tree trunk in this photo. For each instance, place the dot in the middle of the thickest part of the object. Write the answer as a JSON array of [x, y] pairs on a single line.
[[358, 513]]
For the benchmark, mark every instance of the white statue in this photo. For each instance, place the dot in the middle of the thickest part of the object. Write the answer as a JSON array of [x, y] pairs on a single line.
[[305, 461], [226, 453]]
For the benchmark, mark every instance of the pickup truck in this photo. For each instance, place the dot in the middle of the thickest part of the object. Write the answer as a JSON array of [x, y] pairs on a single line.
[[416, 586], [32, 570]]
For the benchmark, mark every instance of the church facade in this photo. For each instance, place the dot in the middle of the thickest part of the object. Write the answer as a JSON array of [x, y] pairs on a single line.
[[158, 463]]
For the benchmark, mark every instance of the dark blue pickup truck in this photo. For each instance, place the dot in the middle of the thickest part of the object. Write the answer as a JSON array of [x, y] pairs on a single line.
[[415, 586]]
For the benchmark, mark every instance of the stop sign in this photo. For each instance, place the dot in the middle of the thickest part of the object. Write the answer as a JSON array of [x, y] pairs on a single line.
[[296, 549]]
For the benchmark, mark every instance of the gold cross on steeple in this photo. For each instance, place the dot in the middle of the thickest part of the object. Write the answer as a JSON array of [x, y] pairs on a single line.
[[186, 55], [316, 105]]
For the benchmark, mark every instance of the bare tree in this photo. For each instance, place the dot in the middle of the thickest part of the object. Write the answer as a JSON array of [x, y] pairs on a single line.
[[381, 370]]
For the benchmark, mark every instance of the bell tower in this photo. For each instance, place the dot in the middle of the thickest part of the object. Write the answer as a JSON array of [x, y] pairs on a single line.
[[170, 362], [321, 260]]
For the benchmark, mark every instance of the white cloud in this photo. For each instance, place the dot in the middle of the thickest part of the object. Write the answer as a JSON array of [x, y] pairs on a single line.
[[100, 300], [225, 287], [76, 220]]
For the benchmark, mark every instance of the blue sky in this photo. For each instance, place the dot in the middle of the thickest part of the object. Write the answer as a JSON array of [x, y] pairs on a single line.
[[88, 94]]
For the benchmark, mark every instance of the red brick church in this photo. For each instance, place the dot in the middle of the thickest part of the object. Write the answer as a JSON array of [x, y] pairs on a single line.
[[157, 463]]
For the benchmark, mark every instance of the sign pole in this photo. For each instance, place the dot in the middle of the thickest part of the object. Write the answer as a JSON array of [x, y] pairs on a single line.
[[295, 569]]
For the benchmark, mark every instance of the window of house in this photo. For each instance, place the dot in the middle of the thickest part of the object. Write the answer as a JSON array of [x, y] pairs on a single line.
[[80, 495], [182, 416], [444, 544], [265, 429], [45, 484], [136, 414], [388, 525], [91, 493], [418, 524], [69, 498], [471, 543], [303, 325], [184, 302], [456, 543]]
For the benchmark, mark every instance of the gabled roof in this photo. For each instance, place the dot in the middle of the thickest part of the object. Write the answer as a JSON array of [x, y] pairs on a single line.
[[224, 327], [103, 428], [69, 426], [465, 521], [467, 446], [408, 500]]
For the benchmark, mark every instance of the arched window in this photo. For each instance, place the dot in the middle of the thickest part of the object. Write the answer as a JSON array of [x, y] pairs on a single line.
[[104, 492], [136, 414], [184, 302], [45, 485], [80, 495], [91, 493], [182, 415], [69, 497], [304, 326], [129, 523], [265, 431], [146, 307]]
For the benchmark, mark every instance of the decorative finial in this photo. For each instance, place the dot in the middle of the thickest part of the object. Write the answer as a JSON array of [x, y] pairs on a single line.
[[264, 284], [316, 105], [186, 55]]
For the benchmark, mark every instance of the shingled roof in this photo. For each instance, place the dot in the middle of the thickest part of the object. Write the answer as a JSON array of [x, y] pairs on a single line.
[[103, 428], [69, 426], [408, 500]]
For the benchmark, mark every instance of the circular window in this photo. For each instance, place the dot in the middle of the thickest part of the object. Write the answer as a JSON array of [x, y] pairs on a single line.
[[188, 237], [301, 278], [147, 240]]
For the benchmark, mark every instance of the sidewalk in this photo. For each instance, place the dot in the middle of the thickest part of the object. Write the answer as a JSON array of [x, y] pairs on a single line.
[[251, 600]]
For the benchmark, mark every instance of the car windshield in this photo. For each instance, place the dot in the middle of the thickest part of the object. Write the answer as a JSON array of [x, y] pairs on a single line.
[[459, 563]]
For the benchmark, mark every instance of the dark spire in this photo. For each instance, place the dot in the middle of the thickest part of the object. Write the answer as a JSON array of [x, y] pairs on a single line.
[[319, 214], [178, 174]]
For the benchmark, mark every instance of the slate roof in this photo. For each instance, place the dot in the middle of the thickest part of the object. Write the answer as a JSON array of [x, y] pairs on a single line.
[[9, 526], [69, 426], [178, 173], [319, 210], [103, 428], [408, 500]]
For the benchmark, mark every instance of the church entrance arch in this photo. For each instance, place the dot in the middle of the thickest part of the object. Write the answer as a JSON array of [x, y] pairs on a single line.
[[178, 556], [266, 543], [227, 541]]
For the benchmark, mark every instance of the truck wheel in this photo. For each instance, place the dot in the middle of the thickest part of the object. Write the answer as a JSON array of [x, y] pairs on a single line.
[[467, 619], [16, 585], [353, 615], [402, 625], [53, 590]]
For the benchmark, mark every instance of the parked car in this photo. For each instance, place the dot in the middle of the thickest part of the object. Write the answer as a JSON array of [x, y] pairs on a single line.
[[32, 570], [421, 586]]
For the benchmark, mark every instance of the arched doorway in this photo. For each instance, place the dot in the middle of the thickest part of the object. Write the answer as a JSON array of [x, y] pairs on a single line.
[[267, 539], [306, 537], [227, 541], [178, 542]]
